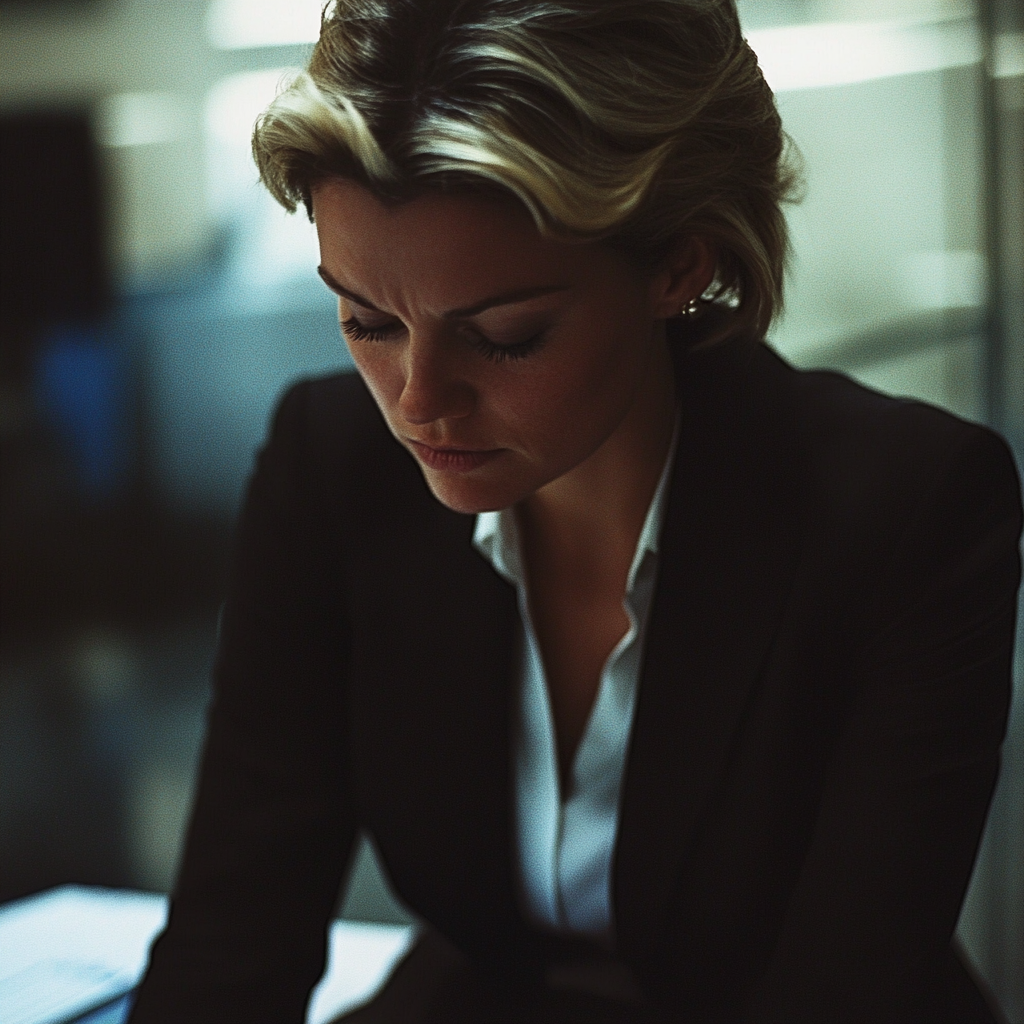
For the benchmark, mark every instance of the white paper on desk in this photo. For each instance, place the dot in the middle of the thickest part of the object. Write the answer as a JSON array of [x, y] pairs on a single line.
[[360, 959], [70, 949]]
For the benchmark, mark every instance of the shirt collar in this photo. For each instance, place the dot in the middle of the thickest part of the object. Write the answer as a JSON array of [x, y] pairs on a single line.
[[496, 535]]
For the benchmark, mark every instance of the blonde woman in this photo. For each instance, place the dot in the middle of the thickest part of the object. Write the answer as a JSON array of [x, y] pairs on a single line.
[[668, 680]]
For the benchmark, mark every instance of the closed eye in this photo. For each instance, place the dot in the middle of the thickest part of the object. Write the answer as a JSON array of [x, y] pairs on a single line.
[[360, 332], [499, 353], [356, 331]]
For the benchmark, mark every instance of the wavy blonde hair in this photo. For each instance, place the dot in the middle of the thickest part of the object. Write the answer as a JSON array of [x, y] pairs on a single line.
[[633, 122]]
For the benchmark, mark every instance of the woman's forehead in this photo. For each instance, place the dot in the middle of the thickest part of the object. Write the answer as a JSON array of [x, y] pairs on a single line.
[[452, 251], [429, 218]]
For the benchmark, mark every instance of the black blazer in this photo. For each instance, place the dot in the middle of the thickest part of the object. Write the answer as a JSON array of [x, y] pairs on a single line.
[[823, 696]]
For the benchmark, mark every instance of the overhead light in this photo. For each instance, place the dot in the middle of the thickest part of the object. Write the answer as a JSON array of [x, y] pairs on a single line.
[[243, 24], [841, 53]]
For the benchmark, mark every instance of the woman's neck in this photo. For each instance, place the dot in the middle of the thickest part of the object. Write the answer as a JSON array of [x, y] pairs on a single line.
[[592, 516]]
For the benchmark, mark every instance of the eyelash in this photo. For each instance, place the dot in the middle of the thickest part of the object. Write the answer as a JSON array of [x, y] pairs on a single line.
[[496, 353]]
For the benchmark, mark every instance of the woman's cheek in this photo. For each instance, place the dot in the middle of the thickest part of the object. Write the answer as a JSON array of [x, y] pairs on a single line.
[[381, 373]]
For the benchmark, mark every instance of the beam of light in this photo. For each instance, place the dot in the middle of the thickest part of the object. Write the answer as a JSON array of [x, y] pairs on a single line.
[[946, 279], [1009, 55], [139, 119]]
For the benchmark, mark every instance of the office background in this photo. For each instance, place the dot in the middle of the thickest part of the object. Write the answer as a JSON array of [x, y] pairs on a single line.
[[155, 302]]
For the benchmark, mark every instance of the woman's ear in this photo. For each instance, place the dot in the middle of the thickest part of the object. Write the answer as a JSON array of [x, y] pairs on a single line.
[[685, 275]]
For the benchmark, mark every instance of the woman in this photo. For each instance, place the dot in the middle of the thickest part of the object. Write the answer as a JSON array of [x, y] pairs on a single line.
[[669, 680]]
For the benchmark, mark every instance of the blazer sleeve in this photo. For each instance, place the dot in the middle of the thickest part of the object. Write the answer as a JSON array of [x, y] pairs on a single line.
[[273, 823], [868, 929]]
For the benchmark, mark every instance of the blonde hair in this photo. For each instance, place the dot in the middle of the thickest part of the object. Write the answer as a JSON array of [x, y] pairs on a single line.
[[633, 122]]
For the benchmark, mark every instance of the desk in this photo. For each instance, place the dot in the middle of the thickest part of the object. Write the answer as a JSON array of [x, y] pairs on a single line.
[[75, 953]]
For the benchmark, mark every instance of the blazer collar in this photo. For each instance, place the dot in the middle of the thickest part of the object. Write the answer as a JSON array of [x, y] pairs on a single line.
[[728, 550], [728, 553]]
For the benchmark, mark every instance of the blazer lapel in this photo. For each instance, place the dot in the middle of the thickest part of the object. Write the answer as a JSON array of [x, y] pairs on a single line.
[[727, 556], [434, 648]]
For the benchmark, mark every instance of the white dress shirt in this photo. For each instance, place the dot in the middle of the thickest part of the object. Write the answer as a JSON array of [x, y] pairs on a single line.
[[565, 840]]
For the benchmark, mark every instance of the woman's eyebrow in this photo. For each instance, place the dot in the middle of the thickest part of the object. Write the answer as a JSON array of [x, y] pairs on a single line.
[[335, 287], [504, 299]]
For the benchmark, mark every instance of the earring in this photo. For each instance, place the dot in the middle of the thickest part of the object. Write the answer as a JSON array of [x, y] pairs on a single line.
[[689, 310]]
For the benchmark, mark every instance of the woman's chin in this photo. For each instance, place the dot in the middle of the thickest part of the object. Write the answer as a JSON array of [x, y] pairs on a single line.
[[462, 493]]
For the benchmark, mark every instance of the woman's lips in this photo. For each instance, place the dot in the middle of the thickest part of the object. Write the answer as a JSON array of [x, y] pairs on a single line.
[[458, 460]]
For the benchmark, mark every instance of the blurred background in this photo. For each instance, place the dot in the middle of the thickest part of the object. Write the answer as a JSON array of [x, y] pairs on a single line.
[[155, 302]]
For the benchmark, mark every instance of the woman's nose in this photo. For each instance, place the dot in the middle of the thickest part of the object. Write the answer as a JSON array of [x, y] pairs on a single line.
[[433, 388]]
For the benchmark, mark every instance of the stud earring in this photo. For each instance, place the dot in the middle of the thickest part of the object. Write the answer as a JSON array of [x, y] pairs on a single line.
[[690, 309]]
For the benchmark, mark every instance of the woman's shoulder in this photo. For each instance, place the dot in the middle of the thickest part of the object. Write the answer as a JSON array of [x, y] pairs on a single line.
[[910, 444], [840, 408], [853, 456], [834, 420]]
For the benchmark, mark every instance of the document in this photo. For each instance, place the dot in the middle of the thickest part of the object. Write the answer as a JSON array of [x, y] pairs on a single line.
[[69, 950]]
